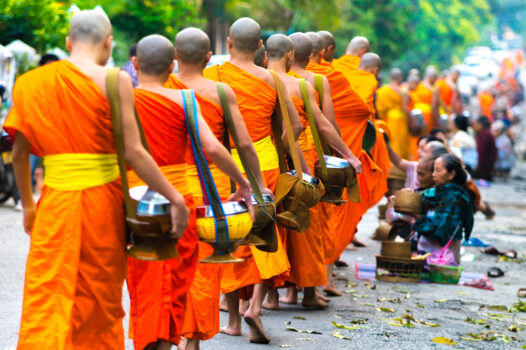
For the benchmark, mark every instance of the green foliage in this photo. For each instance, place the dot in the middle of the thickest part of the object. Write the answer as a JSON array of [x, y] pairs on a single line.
[[42, 24]]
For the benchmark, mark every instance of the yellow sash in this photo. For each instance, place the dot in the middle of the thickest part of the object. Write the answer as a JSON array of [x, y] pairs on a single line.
[[175, 174], [266, 151], [424, 107], [79, 171]]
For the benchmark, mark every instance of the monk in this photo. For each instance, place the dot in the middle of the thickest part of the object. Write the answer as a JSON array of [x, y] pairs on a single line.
[[192, 51], [408, 92], [261, 58], [450, 100], [351, 114], [358, 46], [256, 93], [74, 279], [426, 98], [305, 250], [486, 102], [160, 110], [389, 108]]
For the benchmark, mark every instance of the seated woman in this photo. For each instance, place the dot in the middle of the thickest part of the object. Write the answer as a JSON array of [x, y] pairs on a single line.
[[445, 207]]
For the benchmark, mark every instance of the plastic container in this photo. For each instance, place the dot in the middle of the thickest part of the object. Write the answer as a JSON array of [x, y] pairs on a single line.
[[445, 273]]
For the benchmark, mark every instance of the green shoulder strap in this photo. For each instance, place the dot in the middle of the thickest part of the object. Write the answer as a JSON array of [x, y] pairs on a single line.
[[229, 121], [318, 85], [313, 127]]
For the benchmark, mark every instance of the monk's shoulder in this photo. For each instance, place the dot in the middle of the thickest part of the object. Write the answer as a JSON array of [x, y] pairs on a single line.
[[37, 78], [208, 89]]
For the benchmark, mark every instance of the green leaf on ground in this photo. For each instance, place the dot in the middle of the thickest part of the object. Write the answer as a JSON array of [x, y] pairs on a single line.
[[338, 335], [341, 326], [364, 321], [300, 318], [349, 291], [477, 322], [368, 304], [292, 329], [515, 328], [351, 284], [420, 306], [391, 300], [360, 295], [440, 301], [402, 289], [429, 324], [444, 340], [284, 346], [496, 307], [385, 309], [462, 293]]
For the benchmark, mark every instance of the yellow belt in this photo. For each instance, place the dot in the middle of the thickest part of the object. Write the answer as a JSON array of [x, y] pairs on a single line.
[[174, 173], [266, 151], [79, 171], [424, 107]]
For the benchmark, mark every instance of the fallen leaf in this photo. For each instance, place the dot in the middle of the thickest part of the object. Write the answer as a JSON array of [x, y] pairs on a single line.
[[286, 322], [351, 284], [408, 310], [521, 306], [338, 335], [470, 339], [292, 329], [430, 324], [477, 322], [336, 316], [524, 346], [444, 340], [393, 323], [401, 289], [514, 328], [388, 336], [462, 293], [369, 285], [360, 295], [341, 326], [385, 309], [408, 295], [440, 301], [284, 346], [349, 291], [420, 306], [364, 321], [520, 323], [497, 307], [391, 300], [300, 318], [368, 304]]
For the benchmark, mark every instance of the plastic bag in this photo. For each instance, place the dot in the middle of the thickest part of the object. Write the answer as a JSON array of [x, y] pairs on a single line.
[[442, 257]]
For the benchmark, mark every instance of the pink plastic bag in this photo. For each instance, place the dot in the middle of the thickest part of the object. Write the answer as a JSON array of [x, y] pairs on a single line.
[[444, 256]]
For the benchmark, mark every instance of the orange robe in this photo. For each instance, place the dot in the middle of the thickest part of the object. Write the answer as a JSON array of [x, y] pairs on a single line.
[[73, 282], [346, 63], [201, 316], [257, 101], [423, 98], [365, 84], [486, 102], [305, 250], [446, 92], [351, 114], [158, 289]]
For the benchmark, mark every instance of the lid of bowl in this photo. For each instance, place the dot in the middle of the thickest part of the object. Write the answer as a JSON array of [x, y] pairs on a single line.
[[335, 162], [230, 208], [306, 177], [266, 197]]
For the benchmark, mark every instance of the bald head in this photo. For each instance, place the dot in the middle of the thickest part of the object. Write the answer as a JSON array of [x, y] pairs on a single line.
[[278, 45], [245, 35], [327, 39], [317, 42], [358, 46], [396, 75], [414, 72], [369, 62], [431, 72], [192, 46], [302, 47], [261, 58], [155, 54], [92, 26]]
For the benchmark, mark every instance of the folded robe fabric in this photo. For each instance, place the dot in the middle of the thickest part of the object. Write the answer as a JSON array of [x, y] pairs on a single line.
[[158, 289], [76, 263]]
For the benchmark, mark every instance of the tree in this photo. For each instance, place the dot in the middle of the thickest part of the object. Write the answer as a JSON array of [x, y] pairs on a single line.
[[42, 24]]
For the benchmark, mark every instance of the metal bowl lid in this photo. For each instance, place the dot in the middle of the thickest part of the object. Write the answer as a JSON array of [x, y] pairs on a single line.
[[336, 162], [306, 177], [230, 208], [149, 201], [266, 197]]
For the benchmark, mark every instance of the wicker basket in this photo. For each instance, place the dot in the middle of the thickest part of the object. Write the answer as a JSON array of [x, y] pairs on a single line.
[[408, 202], [382, 232], [394, 185], [382, 210], [239, 226], [396, 249], [393, 269]]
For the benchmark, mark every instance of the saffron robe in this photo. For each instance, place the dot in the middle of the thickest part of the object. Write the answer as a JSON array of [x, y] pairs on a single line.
[[346, 63], [158, 289], [74, 278]]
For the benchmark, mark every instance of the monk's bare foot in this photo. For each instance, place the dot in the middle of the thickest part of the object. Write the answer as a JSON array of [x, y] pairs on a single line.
[[272, 302], [314, 303], [256, 334], [231, 330], [191, 344], [357, 243], [223, 305], [350, 247], [291, 297], [163, 345], [243, 306], [331, 291], [322, 297]]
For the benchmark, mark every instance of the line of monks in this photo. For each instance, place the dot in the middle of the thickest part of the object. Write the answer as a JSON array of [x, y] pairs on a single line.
[[77, 264]]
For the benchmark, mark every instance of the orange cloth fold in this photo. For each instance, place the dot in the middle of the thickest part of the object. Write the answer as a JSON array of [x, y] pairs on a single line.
[[446, 92], [73, 281], [423, 98], [158, 289], [346, 63], [486, 102]]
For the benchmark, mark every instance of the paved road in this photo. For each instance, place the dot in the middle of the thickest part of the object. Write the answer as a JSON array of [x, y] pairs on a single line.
[[506, 231]]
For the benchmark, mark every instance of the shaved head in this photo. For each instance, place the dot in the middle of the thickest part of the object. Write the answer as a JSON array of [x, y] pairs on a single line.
[[431, 71], [396, 75], [245, 34], [317, 42], [155, 54], [192, 45], [415, 72], [278, 45], [358, 46], [302, 47], [261, 57], [370, 61], [91, 26], [327, 39]]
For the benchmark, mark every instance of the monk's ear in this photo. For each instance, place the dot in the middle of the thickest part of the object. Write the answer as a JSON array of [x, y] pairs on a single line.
[[68, 44], [208, 56], [108, 42], [172, 66], [229, 41], [175, 54], [135, 63], [260, 43]]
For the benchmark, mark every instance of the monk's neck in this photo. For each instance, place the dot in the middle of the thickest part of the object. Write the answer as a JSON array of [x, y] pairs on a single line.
[[189, 72], [85, 56], [298, 68], [277, 66], [150, 82], [315, 60], [241, 59]]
